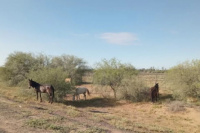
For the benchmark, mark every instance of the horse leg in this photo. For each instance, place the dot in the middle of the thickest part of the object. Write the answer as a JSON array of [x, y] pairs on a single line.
[[156, 97], [152, 96], [84, 95], [50, 98], [40, 97], [37, 95]]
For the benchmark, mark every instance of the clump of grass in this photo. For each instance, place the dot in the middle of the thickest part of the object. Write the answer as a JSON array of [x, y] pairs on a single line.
[[176, 106], [94, 130], [72, 111], [46, 124]]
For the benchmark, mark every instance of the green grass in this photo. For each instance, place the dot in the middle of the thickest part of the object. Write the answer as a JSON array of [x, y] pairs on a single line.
[[47, 124]]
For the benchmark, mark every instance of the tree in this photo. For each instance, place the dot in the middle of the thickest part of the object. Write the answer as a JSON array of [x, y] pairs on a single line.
[[112, 72], [18, 64], [73, 66]]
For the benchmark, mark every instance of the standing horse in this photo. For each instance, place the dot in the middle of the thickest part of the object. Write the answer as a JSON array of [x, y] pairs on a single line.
[[154, 92], [80, 91], [42, 89]]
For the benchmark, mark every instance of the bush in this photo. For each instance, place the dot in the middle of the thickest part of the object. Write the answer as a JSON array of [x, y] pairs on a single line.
[[184, 80], [134, 90], [18, 64], [55, 77]]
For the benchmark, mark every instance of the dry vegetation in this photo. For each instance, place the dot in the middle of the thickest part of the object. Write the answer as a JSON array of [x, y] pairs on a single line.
[[97, 115]]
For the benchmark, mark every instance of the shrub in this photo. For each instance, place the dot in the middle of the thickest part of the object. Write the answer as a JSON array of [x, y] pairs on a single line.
[[134, 90], [185, 80], [74, 67], [18, 64]]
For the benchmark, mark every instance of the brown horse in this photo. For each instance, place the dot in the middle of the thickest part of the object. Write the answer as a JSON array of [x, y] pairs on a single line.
[[154, 92], [42, 89]]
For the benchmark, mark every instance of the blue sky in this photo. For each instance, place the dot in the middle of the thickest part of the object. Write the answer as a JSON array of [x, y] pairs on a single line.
[[145, 33]]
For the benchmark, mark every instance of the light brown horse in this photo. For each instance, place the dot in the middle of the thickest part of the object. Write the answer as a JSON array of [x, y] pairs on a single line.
[[154, 91], [49, 89]]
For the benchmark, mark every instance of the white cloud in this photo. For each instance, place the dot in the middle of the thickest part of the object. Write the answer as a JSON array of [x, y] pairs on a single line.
[[121, 38]]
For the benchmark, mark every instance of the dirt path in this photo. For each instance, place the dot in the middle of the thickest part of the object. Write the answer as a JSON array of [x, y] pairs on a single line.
[[34, 117]]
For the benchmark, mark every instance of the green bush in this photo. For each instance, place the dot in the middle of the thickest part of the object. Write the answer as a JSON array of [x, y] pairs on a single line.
[[18, 64], [184, 80], [53, 76], [134, 90]]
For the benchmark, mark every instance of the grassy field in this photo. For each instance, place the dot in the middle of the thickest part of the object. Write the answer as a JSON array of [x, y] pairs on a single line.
[[20, 113]]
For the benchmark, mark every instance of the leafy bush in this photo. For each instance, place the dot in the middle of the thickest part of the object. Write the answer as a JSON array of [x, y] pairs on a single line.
[[55, 77], [75, 67], [18, 64], [184, 80], [134, 90]]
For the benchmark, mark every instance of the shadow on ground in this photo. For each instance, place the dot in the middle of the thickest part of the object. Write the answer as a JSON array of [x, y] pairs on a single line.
[[95, 102]]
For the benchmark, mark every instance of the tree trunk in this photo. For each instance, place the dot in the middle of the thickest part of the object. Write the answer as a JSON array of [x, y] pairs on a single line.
[[114, 91]]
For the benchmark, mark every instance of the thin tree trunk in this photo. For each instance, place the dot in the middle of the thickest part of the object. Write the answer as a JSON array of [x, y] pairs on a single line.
[[114, 91]]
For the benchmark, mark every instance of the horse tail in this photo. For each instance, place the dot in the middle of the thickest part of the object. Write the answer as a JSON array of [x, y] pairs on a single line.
[[88, 92]]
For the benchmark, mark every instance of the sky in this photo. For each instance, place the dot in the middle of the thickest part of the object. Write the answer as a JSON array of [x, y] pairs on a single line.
[[144, 33]]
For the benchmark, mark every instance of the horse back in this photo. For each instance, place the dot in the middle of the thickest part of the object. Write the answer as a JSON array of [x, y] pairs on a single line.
[[46, 88], [81, 90]]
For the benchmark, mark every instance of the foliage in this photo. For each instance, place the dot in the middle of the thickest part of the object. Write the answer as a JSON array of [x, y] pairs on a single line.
[[185, 80], [74, 66], [134, 90], [53, 76], [112, 72], [18, 64]]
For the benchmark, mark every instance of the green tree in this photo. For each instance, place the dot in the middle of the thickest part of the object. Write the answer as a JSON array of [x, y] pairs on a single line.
[[112, 72], [72, 65], [18, 64], [185, 79]]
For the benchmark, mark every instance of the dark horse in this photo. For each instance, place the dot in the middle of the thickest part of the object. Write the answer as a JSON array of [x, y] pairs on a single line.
[[42, 89], [154, 92]]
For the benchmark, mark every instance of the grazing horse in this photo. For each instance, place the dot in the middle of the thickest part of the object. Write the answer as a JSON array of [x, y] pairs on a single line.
[[154, 92], [49, 89], [80, 91]]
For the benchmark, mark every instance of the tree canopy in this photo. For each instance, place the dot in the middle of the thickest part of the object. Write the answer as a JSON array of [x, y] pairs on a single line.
[[112, 72]]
